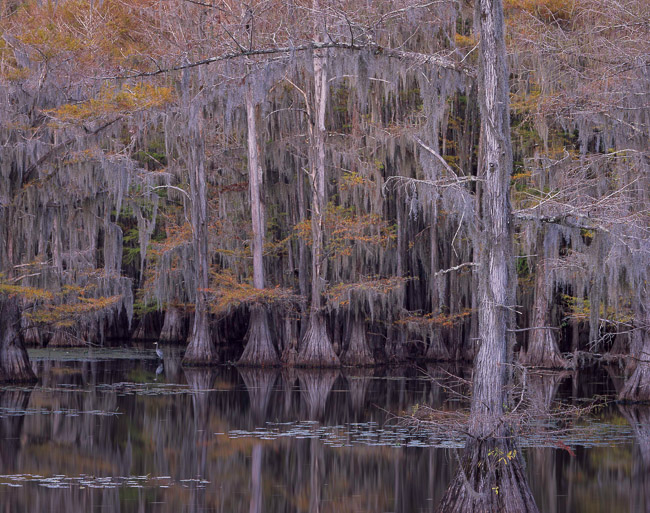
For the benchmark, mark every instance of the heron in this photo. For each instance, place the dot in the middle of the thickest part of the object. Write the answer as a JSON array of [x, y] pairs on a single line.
[[158, 351]]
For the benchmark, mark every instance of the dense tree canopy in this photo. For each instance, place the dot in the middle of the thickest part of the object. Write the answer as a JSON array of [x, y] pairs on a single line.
[[309, 182]]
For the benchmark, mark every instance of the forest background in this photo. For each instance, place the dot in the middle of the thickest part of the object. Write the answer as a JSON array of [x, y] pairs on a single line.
[[305, 183]]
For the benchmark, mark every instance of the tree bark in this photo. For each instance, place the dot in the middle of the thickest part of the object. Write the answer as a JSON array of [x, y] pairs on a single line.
[[200, 350], [543, 350], [491, 477], [437, 351], [259, 348], [495, 247], [63, 337], [637, 386], [358, 354], [173, 329], [32, 336], [14, 362], [316, 348]]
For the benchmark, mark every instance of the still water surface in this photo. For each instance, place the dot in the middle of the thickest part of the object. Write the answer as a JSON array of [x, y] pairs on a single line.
[[112, 431]]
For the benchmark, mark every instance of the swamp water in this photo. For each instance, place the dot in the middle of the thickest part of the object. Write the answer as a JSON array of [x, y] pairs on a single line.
[[113, 431]]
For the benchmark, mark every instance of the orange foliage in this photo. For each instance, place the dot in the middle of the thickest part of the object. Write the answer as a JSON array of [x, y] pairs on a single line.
[[344, 228], [429, 320], [339, 295], [112, 101], [227, 293]]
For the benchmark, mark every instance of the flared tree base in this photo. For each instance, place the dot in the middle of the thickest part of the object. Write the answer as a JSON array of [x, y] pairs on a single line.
[[491, 480], [437, 351], [14, 364], [637, 387], [173, 329], [201, 351], [259, 351], [316, 348], [65, 338], [358, 354], [543, 352]]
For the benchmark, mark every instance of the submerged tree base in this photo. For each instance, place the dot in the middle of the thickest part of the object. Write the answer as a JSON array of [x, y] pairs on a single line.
[[358, 353], [14, 365], [201, 351], [173, 329], [65, 338], [259, 351], [316, 348], [491, 479], [543, 352], [14, 361], [637, 387], [437, 351]]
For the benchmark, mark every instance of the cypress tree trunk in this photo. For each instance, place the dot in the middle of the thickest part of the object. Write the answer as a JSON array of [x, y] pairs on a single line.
[[316, 348], [200, 350], [543, 350], [65, 337], [259, 348], [14, 362], [637, 386], [358, 354], [173, 329], [491, 477], [32, 336]]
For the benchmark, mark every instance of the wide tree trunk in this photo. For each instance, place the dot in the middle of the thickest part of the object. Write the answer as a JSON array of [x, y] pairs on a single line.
[[491, 477], [32, 336], [396, 345], [200, 350], [14, 362], [437, 351], [65, 337], [637, 386], [316, 347], [259, 347], [495, 252], [543, 350], [358, 353], [173, 329]]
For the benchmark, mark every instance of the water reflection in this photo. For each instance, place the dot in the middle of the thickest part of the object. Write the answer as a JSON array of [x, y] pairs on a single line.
[[104, 434]]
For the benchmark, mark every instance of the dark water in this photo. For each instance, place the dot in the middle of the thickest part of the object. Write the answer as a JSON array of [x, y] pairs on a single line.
[[101, 433]]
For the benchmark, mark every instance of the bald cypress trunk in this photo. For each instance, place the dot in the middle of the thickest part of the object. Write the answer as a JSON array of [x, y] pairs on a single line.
[[637, 386], [259, 347], [316, 347], [173, 329], [543, 350], [491, 477], [200, 350], [358, 353], [14, 362], [495, 245]]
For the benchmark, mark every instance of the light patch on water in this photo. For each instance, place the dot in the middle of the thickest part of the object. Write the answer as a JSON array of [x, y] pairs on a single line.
[[68, 412], [372, 434], [84, 481], [348, 435]]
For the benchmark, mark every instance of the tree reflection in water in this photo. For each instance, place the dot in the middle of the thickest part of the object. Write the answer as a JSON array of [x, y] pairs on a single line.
[[104, 435]]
